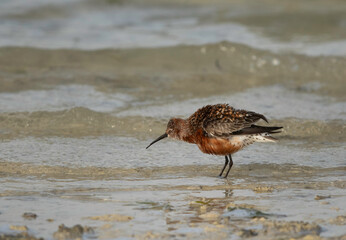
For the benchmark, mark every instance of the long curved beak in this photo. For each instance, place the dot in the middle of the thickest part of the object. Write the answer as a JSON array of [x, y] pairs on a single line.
[[158, 139]]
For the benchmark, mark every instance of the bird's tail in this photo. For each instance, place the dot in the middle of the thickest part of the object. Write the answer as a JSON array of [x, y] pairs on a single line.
[[264, 137], [261, 133]]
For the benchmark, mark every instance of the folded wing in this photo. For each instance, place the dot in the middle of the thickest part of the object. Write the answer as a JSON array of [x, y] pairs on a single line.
[[223, 122]]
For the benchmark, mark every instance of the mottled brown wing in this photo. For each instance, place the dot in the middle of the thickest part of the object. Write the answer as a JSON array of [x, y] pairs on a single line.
[[223, 120]]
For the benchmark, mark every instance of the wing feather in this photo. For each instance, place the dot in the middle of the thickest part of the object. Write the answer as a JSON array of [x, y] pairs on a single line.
[[222, 120]]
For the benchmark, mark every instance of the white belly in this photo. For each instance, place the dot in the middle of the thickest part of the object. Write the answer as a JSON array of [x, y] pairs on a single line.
[[244, 140]]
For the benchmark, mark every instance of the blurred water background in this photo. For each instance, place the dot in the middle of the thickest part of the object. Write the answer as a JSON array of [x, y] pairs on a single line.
[[85, 85]]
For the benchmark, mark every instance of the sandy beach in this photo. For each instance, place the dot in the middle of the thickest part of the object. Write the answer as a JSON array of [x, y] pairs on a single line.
[[77, 113]]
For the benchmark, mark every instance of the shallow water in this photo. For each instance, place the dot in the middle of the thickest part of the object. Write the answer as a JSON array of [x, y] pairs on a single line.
[[286, 26], [74, 123]]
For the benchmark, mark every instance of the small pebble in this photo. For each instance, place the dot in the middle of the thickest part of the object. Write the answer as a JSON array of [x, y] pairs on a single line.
[[210, 215], [112, 218], [339, 220], [75, 232], [19, 228], [245, 233], [320, 197], [263, 189], [29, 215]]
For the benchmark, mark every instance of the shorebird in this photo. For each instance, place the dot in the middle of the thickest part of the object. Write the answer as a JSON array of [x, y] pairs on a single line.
[[220, 130]]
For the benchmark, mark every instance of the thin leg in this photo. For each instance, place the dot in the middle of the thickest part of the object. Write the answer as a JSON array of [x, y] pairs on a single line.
[[230, 165], [223, 169]]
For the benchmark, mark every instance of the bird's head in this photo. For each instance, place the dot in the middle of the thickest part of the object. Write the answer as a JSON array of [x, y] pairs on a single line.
[[173, 130]]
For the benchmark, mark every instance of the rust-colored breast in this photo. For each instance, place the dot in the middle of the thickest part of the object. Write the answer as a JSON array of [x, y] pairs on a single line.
[[215, 146], [189, 139]]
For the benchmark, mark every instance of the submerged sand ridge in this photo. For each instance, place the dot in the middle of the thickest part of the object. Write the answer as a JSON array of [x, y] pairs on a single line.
[[215, 68], [279, 172], [83, 122]]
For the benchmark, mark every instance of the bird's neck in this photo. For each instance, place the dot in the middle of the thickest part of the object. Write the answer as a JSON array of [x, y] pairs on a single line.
[[184, 132]]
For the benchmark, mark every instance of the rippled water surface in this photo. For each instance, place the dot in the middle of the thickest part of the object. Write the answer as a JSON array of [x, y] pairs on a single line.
[[79, 102], [92, 25]]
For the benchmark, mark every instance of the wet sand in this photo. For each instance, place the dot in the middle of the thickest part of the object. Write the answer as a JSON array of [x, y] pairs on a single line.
[[74, 124], [89, 166], [262, 200]]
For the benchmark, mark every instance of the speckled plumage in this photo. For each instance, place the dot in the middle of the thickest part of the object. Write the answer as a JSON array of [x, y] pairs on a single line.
[[220, 130], [221, 120]]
